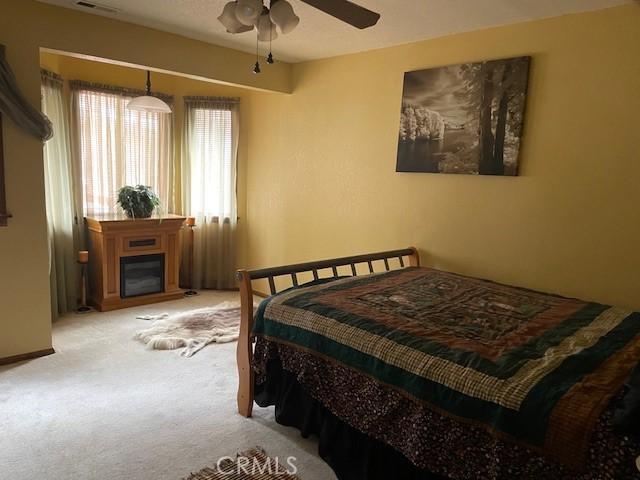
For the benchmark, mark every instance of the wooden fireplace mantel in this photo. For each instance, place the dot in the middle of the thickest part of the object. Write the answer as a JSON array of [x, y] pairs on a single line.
[[112, 237]]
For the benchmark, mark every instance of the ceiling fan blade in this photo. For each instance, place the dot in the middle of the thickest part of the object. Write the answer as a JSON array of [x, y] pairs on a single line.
[[346, 11]]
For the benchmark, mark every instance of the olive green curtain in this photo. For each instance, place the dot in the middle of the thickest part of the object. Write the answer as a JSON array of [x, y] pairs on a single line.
[[61, 225]]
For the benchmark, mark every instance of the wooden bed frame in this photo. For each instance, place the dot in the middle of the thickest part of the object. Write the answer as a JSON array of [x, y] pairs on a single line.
[[244, 351]]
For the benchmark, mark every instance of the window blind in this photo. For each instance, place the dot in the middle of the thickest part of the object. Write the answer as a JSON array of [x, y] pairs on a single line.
[[121, 147], [212, 182]]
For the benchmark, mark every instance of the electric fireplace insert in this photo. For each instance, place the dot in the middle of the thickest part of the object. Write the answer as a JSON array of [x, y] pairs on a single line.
[[141, 275]]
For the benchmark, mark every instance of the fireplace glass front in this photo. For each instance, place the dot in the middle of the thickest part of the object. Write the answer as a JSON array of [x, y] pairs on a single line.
[[141, 275]]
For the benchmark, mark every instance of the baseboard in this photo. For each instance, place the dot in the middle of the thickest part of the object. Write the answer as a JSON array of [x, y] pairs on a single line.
[[26, 356]]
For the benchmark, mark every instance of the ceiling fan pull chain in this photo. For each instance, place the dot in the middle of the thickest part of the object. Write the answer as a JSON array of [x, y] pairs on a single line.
[[256, 67], [270, 60]]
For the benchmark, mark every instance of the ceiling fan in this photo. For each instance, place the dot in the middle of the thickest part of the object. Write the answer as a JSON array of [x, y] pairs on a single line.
[[240, 16], [346, 11]]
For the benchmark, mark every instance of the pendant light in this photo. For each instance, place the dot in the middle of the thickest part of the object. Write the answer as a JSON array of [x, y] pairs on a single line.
[[148, 103]]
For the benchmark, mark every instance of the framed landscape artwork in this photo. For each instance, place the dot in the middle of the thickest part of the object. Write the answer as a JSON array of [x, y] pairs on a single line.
[[464, 118]]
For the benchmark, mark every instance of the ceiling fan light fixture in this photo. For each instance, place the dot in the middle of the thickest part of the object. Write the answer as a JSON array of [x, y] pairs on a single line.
[[266, 28], [230, 21], [248, 11], [283, 16]]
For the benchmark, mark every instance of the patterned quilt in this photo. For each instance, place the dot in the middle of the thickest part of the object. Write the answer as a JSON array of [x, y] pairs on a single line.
[[534, 368]]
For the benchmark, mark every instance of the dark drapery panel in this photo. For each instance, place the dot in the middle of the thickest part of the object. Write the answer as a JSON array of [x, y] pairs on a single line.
[[14, 106]]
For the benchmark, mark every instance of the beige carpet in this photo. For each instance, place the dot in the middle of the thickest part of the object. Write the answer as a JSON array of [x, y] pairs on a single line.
[[105, 407]]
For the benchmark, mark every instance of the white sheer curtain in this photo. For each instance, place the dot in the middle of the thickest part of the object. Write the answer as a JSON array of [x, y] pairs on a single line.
[[63, 271], [117, 147], [209, 157]]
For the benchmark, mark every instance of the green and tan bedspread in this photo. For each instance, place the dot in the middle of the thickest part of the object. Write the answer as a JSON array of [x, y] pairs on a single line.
[[534, 368]]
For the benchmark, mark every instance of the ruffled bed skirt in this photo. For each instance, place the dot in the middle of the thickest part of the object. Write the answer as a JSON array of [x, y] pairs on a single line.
[[352, 454]]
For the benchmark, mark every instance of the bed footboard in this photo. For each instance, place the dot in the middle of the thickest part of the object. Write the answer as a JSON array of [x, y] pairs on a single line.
[[390, 260]]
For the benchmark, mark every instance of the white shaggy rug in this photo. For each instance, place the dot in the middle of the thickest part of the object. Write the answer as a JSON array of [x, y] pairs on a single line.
[[192, 330]]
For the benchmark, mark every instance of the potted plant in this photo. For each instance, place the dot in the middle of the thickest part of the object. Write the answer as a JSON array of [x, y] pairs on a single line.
[[138, 201]]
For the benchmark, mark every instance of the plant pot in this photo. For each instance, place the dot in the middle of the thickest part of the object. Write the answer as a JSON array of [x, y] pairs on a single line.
[[141, 212], [138, 201]]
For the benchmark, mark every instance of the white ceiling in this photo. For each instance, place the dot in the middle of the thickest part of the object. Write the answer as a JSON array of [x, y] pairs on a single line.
[[319, 35]]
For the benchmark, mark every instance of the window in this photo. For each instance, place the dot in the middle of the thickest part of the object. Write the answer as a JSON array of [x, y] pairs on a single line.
[[121, 147], [211, 181], [211, 133], [209, 187]]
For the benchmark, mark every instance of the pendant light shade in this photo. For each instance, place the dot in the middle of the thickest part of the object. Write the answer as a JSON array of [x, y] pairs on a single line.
[[283, 16], [230, 21], [248, 11], [148, 103], [266, 28]]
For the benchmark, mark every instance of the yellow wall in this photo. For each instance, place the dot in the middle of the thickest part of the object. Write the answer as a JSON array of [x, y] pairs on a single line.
[[25, 27], [320, 163], [322, 179]]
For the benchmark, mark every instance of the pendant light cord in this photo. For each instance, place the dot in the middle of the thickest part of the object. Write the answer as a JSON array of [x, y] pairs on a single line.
[[148, 83]]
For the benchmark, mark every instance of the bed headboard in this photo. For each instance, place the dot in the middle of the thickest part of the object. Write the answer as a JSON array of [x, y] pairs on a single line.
[[390, 260], [315, 267]]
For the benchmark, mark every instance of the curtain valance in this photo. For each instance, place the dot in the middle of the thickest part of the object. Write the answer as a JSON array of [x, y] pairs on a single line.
[[16, 107], [51, 78], [219, 103], [127, 92]]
